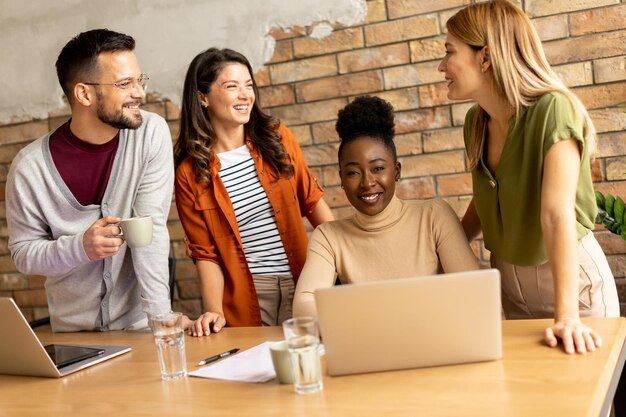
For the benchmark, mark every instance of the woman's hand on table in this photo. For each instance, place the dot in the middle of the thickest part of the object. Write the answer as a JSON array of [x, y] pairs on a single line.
[[205, 324], [575, 336]]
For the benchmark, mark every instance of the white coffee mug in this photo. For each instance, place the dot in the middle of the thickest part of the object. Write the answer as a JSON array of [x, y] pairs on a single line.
[[281, 361], [136, 231]]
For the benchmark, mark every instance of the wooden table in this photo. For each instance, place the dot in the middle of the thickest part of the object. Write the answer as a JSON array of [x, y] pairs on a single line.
[[531, 380]]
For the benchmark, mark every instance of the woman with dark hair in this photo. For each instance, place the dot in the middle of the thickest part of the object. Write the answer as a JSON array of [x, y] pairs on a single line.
[[242, 188], [386, 237]]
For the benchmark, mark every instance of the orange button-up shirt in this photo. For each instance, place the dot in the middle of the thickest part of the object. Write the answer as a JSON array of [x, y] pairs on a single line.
[[209, 221]]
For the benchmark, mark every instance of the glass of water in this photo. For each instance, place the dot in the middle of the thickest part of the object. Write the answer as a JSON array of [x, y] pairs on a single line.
[[302, 335], [169, 337]]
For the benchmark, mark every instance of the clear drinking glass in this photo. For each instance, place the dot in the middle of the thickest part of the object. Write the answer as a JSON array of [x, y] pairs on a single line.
[[169, 338], [302, 335]]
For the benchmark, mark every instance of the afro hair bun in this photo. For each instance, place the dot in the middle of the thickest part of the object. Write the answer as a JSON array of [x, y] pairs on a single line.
[[366, 116]]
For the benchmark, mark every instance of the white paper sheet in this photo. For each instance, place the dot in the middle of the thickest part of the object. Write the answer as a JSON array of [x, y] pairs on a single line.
[[252, 365]]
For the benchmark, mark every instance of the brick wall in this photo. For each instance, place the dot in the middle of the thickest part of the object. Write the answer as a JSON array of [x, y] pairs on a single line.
[[394, 54]]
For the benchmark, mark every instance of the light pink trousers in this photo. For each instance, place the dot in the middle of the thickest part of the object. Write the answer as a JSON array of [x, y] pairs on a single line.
[[528, 292]]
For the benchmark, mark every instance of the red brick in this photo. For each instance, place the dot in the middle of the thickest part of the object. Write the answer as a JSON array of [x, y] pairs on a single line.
[[609, 69], [576, 74], [12, 282], [343, 85], [551, 27], [543, 7], [376, 11], [597, 173], [178, 250], [433, 164], [443, 139], [432, 95], [610, 242], [174, 126], [616, 169], [412, 75], [608, 120], [370, 58], [598, 20], [459, 111], [401, 30], [409, 144], [282, 52], [191, 308], [324, 132], [456, 184], [6, 264], [55, 122], [331, 175], [172, 111], [428, 49], [611, 144], [23, 132], [302, 134], [423, 119], [4, 246], [158, 108], [318, 111], [30, 298], [4, 170], [617, 263], [185, 269], [188, 288], [276, 96], [604, 95], [262, 77], [321, 154], [291, 32], [401, 99], [303, 69], [459, 204], [582, 48], [339, 40], [35, 281], [7, 153], [615, 188], [176, 230], [400, 8], [412, 188]]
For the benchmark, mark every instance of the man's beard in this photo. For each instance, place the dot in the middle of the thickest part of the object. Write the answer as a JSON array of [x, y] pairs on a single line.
[[117, 118]]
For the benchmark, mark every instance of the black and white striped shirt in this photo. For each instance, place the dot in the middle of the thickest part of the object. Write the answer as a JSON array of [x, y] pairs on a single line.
[[262, 246]]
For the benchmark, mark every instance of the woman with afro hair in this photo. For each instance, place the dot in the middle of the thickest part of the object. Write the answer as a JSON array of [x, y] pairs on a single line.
[[386, 237]]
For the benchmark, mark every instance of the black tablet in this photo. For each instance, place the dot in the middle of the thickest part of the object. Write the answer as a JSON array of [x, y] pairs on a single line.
[[63, 355]]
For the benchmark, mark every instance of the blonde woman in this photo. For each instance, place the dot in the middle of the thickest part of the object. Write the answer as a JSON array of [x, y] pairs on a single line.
[[529, 140]]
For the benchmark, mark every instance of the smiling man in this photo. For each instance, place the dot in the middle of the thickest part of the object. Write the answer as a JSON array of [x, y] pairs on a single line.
[[67, 190]]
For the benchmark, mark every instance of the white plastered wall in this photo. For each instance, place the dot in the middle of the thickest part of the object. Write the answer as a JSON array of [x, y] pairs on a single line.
[[169, 33]]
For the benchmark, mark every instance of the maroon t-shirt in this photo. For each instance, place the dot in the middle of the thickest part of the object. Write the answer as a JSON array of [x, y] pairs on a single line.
[[84, 167]]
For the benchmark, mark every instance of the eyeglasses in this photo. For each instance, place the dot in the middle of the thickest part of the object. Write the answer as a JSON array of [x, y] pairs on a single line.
[[128, 83]]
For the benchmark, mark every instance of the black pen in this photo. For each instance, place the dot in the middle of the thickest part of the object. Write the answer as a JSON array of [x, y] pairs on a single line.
[[216, 357]]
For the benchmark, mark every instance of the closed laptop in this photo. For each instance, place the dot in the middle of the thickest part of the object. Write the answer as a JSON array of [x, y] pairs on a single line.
[[411, 322]]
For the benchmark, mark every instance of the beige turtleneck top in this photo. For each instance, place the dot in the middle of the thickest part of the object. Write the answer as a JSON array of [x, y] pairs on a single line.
[[406, 239]]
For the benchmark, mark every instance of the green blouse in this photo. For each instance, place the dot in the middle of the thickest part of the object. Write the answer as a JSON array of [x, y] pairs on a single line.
[[508, 201]]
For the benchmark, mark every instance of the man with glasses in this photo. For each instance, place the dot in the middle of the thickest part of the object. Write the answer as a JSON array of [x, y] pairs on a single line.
[[67, 190]]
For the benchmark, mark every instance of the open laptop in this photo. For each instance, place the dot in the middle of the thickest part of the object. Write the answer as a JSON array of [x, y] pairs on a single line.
[[21, 353], [412, 322]]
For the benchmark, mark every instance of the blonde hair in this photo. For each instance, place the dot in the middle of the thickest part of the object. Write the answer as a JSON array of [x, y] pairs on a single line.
[[521, 72]]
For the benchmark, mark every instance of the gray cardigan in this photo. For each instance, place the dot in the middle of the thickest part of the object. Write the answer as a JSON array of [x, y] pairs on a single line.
[[46, 226]]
